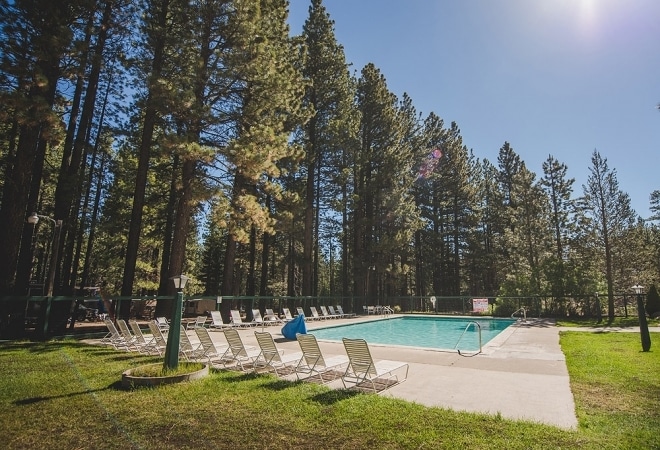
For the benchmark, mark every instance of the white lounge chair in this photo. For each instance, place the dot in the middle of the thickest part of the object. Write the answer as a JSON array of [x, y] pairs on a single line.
[[200, 321], [115, 338], [159, 343], [258, 320], [340, 310], [270, 316], [238, 353], [143, 343], [210, 351], [315, 314], [162, 323], [237, 322], [271, 358], [363, 371], [332, 312], [287, 314], [187, 349], [216, 321], [325, 314], [314, 365], [130, 341]]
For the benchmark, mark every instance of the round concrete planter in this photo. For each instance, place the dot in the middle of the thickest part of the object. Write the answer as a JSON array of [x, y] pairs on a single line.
[[129, 381]]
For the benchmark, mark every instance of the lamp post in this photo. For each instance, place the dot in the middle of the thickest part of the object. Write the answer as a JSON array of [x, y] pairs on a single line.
[[55, 246], [599, 310], [643, 324], [174, 335]]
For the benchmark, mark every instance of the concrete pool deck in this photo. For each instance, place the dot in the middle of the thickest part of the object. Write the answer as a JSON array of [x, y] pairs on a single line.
[[520, 375]]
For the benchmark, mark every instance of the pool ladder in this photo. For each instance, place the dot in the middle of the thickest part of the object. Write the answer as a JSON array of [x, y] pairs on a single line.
[[478, 327], [386, 311], [522, 310]]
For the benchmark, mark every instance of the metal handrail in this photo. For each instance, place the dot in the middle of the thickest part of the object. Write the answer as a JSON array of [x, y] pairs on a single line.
[[524, 316], [463, 334]]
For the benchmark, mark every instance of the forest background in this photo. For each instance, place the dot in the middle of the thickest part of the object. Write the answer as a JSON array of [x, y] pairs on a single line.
[[202, 137]]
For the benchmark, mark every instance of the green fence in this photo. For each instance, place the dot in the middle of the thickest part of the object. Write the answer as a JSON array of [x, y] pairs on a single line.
[[38, 317]]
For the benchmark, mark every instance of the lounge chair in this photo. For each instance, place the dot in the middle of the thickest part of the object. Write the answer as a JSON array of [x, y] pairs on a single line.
[[258, 320], [301, 312], [238, 353], [340, 310], [115, 338], [162, 323], [315, 314], [210, 351], [314, 364], [270, 316], [187, 349], [130, 341], [332, 312], [324, 313], [237, 322], [287, 314], [216, 321], [271, 358], [200, 322], [159, 343], [363, 371], [143, 344]]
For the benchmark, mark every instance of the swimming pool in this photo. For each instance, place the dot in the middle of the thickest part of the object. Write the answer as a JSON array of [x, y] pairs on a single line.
[[427, 332]]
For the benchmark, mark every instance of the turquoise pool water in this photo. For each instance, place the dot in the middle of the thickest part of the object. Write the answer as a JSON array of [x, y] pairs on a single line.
[[428, 332]]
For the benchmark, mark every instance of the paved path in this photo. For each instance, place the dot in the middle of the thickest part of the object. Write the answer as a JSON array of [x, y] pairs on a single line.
[[520, 375]]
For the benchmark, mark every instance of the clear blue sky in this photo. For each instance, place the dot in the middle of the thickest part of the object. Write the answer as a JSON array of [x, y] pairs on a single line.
[[551, 77]]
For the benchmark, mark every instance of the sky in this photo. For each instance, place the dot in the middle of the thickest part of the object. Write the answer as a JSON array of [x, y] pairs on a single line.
[[551, 77]]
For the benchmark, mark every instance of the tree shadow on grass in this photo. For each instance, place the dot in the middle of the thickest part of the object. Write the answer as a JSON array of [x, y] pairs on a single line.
[[333, 396], [280, 385], [32, 400], [239, 377]]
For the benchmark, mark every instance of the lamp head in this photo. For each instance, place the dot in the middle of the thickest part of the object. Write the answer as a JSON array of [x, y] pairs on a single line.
[[180, 281], [33, 218], [637, 288]]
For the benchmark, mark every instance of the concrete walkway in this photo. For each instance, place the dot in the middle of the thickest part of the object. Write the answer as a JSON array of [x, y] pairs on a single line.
[[521, 374]]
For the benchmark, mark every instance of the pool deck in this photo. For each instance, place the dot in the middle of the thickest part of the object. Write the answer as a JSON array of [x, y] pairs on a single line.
[[521, 374]]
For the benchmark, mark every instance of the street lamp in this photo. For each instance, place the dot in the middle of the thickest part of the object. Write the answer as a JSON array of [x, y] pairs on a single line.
[[55, 246], [599, 310], [643, 324], [174, 335]]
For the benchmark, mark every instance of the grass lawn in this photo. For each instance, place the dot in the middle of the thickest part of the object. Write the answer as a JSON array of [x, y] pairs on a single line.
[[631, 321], [67, 395]]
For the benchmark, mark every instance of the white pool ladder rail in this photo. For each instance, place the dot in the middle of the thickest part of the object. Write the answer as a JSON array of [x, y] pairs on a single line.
[[522, 310], [478, 328]]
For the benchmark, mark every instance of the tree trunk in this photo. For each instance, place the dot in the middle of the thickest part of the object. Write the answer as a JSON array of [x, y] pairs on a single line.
[[150, 116]]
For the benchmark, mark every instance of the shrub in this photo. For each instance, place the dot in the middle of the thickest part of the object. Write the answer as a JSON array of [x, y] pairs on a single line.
[[504, 308], [653, 302]]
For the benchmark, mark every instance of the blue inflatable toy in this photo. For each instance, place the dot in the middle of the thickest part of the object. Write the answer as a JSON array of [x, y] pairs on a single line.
[[297, 325]]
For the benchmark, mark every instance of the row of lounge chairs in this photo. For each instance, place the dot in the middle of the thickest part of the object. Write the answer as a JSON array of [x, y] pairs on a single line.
[[269, 318], [357, 369]]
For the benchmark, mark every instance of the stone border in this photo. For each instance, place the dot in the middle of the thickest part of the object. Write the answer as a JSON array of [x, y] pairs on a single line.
[[130, 382]]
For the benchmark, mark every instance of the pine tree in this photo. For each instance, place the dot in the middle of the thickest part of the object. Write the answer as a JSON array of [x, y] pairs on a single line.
[[270, 100], [558, 189], [329, 94], [377, 133], [36, 36], [611, 214]]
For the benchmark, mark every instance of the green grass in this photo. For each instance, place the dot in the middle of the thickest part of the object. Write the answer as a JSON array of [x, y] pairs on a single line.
[[616, 387], [157, 370], [67, 395], [631, 321]]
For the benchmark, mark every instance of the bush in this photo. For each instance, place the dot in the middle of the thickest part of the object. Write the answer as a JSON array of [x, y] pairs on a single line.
[[653, 302], [504, 308]]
